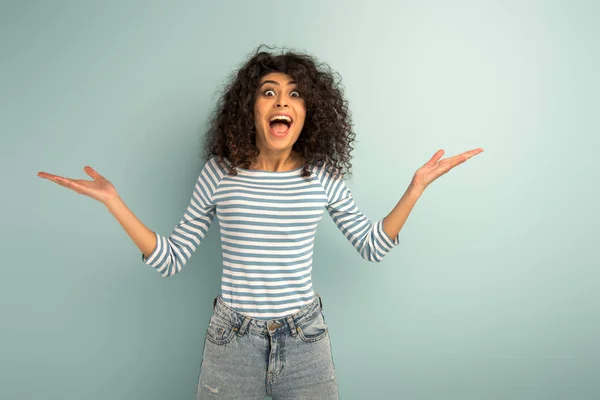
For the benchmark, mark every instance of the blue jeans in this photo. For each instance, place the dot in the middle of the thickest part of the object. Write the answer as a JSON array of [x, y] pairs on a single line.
[[288, 358]]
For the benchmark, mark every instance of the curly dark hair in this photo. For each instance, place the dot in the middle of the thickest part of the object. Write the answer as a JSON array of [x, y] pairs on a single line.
[[326, 137]]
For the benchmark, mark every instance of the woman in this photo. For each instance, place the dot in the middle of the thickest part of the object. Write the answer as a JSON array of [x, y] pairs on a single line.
[[278, 148]]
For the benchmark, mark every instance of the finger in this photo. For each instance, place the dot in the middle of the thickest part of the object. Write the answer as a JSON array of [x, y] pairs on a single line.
[[61, 180], [468, 154], [91, 172], [460, 158], [473, 152], [436, 157], [450, 161], [46, 175], [66, 182]]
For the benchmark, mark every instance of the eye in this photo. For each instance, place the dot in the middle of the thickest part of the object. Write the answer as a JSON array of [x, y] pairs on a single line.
[[266, 92], [295, 93]]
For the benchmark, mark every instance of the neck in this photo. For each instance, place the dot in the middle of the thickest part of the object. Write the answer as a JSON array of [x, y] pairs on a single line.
[[277, 163]]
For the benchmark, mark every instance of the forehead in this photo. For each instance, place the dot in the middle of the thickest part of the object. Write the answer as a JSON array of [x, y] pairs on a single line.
[[279, 77]]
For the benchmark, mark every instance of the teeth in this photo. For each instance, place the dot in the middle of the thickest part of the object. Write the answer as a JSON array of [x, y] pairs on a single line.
[[281, 117]]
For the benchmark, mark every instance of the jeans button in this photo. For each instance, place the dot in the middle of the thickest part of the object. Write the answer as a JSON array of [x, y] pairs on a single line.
[[273, 326]]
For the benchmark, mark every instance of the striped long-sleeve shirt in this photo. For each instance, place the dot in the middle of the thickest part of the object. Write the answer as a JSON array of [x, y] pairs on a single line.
[[268, 222]]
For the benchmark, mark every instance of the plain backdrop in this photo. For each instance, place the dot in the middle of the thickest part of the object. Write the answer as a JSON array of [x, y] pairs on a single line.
[[494, 290]]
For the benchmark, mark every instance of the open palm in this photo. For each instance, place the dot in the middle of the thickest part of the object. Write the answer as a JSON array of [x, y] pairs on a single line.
[[434, 168], [100, 188]]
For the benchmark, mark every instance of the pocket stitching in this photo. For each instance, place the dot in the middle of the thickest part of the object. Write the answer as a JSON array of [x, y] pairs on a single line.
[[222, 341], [312, 339]]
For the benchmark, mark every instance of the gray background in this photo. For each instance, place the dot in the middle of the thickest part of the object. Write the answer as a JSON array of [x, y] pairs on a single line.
[[493, 292]]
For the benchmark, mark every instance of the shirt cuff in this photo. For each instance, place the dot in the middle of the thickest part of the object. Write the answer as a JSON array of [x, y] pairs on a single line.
[[152, 256], [389, 242]]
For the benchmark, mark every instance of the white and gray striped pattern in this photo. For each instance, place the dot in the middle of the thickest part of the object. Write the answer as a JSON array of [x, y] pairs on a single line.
[[268, 222]]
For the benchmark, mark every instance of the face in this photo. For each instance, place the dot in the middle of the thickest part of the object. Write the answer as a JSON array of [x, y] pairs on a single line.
[[279, 113]]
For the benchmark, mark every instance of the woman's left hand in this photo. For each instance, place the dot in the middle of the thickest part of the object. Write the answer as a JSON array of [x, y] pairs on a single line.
[[434, 168]]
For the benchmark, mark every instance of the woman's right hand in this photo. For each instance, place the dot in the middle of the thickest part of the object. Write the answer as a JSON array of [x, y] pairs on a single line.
[[100, 188]]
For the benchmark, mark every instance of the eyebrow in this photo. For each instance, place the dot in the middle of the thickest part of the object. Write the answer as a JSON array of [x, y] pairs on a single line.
[[276, 83]]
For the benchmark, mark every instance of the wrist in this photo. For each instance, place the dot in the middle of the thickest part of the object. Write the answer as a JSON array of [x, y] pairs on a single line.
[[416, 189], [113, 202]]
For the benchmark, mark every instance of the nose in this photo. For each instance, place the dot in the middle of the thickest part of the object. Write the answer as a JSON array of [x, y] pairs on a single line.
[[281, 102]]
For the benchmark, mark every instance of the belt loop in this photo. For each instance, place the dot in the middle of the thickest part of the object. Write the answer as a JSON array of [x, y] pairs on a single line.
[[320, 301], [215, 302], [292, 326], [244, 326]]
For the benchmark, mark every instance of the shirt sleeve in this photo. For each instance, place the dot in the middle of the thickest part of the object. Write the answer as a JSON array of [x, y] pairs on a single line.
[[369, 239], [172, 252]]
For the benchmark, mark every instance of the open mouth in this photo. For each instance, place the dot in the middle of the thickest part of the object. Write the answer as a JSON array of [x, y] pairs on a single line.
[[280, 125]]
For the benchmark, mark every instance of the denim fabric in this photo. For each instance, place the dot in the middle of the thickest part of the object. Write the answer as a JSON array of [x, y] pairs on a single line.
[[287, 358]]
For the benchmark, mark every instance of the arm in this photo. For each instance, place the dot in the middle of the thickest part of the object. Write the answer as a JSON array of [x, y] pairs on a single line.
[[170, 254], [370, 239], [102, 190], [373, 241], [166, 255], [433, 169], [394, 221], [143, 237]]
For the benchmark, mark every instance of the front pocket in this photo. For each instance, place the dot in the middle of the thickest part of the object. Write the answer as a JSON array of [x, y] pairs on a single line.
[[219, 331], [313, 330]]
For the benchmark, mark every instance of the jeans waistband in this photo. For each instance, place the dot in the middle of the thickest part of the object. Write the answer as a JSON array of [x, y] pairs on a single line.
[[243, 323]]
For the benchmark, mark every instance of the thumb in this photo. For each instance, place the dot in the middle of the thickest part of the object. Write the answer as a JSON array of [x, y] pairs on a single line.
[[91, 172], [436, 157]]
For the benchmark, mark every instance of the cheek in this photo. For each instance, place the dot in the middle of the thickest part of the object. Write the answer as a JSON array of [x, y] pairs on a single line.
[[302, 112], [302, 117], [258, 107], [258, 118]]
